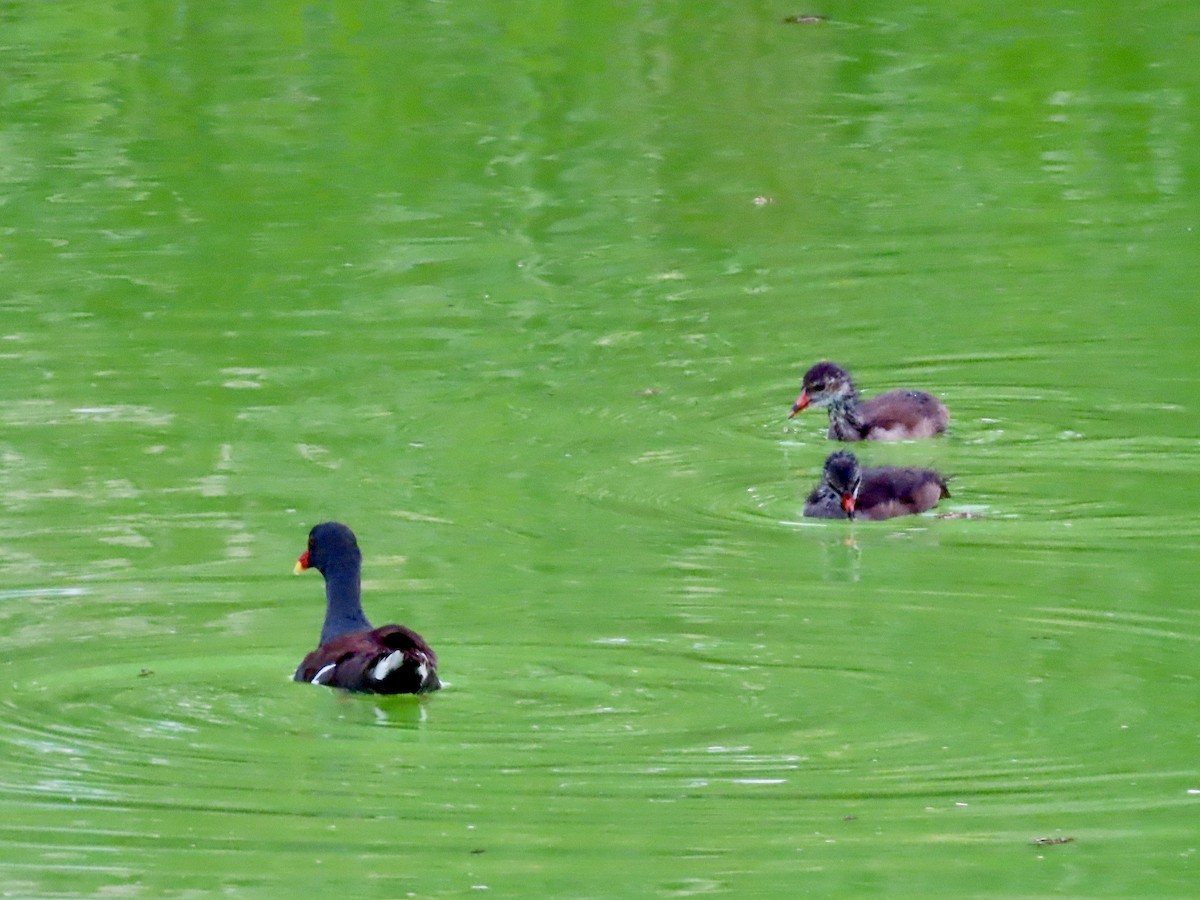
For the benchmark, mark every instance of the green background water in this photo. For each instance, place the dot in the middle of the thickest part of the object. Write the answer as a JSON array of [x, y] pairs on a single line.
[[522, 291]]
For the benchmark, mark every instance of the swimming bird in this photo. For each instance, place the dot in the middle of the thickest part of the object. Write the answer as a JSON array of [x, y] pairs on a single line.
[[352, 654], [847, 491], [894, 416]]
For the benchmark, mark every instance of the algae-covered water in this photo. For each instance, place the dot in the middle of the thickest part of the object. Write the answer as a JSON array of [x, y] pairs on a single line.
[[523, 292]]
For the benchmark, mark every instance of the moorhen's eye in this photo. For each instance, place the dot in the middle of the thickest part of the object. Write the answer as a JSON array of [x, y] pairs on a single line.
[[819, 386]]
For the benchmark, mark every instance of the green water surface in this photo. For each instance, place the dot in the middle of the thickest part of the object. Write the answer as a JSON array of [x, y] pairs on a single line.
[[522, 291]]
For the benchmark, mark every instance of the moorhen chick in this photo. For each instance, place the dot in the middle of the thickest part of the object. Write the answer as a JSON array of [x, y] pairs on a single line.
[[848, 491], [353, 655], [895, 416]]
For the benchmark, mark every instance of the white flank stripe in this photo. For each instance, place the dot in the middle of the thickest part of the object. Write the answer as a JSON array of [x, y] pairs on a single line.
[[324, 674]]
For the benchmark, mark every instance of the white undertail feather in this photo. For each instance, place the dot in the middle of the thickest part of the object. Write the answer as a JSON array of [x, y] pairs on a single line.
[[324, 675], [387, 665]]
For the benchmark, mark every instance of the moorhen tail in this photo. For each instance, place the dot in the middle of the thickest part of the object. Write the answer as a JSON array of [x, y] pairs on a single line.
[[895, 416], [848, 491], [352, 655]]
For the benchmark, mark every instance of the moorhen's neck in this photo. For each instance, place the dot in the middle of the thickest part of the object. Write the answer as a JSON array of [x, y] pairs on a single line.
[[845, 423], [343, 600]]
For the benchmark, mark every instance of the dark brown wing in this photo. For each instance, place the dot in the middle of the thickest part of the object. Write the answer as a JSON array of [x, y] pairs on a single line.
[[388, 660], [900, 415], [889, 492]]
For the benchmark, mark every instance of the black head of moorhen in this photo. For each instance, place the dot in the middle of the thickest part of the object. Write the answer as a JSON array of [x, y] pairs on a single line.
[[352, 654], [847, 491], [895, 416]]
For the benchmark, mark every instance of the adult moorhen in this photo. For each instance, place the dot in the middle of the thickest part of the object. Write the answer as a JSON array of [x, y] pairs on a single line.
[[848, 491], [353, 655], [894, 416]]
